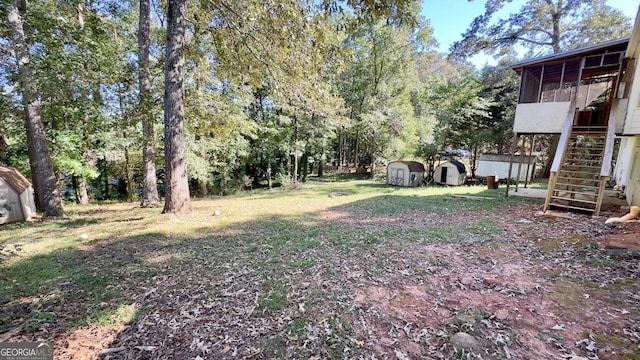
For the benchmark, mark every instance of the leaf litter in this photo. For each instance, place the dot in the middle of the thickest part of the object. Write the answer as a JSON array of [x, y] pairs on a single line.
[[344, 283]]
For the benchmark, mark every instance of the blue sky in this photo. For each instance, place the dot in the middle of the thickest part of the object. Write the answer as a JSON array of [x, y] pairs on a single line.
[[451, 18]]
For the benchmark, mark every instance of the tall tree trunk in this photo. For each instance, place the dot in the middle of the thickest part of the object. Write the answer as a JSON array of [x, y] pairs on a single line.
[[203, 188], [322, 162], [552, 145], [295, 167], [129, 174], [555, 43], [44, 179], [304, 166], [104, 171], [177, 199], [295, 150], [339, 153], [81, 190], [3, 144], [269, 171], [474, 160], [355, 160], [555, 36], [80, 182], [150, 196], [342, 149]]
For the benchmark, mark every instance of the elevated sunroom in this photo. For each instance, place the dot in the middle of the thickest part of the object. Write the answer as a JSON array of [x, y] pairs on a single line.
[[582, 83], [580, 94]]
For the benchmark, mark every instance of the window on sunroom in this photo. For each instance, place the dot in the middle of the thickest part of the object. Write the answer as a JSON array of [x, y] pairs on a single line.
[[551, 82]]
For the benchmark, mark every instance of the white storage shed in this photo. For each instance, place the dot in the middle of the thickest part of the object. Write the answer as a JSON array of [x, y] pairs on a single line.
[[498, 164], [16, 196], [405, 173], [451, 172]]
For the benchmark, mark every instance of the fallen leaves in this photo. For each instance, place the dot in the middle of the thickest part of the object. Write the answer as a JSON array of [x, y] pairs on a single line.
[[347, 282]]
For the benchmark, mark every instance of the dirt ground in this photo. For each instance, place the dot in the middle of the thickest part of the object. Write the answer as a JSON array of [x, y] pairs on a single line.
[[538, 287]]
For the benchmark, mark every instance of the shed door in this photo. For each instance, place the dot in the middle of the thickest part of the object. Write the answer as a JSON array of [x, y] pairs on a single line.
[[443, 174], [400, 177]]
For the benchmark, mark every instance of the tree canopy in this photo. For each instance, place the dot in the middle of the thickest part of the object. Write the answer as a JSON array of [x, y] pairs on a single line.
[[542, 26], [256, 92]]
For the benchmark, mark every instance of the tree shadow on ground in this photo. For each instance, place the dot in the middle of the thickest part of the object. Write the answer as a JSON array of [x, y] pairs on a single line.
[[339, 177], [276, 287], [91, 281], [80, 283]]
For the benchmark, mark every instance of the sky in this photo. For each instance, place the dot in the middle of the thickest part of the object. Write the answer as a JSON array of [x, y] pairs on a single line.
[[451, 18]]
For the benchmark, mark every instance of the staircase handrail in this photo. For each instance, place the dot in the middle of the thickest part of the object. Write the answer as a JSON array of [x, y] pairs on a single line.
[[564, 137], [605, 170]]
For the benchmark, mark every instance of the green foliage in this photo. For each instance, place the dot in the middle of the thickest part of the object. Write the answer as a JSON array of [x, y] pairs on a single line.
[[14, 154], [218, 130], [381, 85], [401, 12], [275, 85], [460, 111], [542, 26], [500, 85]]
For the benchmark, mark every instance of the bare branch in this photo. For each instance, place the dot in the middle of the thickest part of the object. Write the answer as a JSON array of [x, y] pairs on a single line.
[[531, 41], [10, 90]]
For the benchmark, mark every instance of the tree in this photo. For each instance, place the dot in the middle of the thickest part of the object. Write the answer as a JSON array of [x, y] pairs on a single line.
[[269, 134], [283, 52], [500, 86], [44, 179], [149, 190], [380, 86], [3, 144], [279, 46], [81, 57], [463, 116], [543, 26], [397, 12], [177, 200]]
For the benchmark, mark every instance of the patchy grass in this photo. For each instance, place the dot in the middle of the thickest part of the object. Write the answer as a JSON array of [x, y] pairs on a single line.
[[337, 268]]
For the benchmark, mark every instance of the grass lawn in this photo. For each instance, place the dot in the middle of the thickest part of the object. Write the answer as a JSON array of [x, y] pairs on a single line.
[[338, 268]]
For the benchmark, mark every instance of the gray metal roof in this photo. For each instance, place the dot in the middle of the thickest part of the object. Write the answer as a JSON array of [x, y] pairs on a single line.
[[571, 53]]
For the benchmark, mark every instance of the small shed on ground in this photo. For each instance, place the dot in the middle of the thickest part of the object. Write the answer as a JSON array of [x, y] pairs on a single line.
[[16, 196], [405, 173], [498, 164], [451, 172]]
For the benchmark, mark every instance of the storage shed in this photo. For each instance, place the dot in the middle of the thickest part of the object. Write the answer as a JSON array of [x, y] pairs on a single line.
[[405, 173], [498, 164], [16, 196], [450, 173]]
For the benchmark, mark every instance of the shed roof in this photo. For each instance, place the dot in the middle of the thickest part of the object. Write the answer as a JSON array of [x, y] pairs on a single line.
[[506, 157], [613, 45], [413, 166], [460, 166], [14, 178]]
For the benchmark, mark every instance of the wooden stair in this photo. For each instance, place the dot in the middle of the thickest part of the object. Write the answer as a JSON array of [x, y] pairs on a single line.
[[578, 185]]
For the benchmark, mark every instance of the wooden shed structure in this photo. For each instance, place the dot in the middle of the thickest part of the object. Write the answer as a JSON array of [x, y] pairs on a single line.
[[405, 173], [451, 172], [16, 196]]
